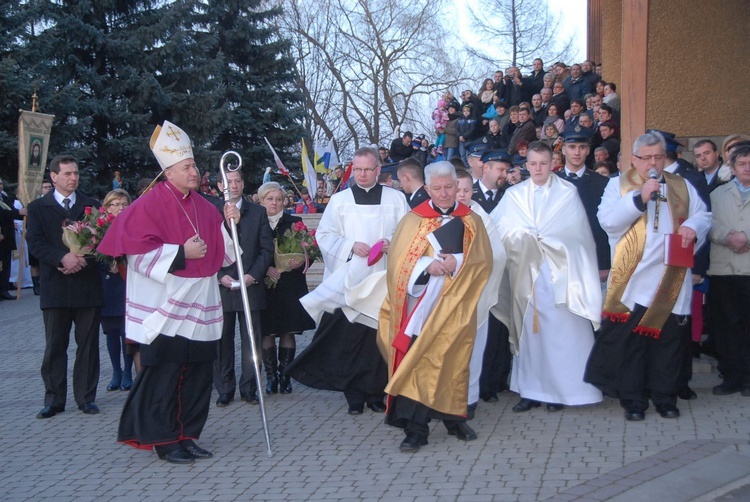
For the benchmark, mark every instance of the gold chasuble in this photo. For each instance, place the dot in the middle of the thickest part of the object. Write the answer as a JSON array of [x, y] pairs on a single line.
[[629, 251], [434, 369]]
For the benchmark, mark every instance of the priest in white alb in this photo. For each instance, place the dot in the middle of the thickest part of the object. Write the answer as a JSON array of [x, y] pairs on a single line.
[[354, 236], [175, 242], [554, 283]]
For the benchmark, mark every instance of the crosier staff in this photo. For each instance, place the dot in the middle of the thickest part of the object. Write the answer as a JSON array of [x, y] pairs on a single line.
[[243, 292]]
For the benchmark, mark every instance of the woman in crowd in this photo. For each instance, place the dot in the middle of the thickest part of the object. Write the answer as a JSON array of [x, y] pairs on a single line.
[[285, 316], [552, 136], [600, 87], [113, 312], [487, 92], [558, 161], [554, 118]]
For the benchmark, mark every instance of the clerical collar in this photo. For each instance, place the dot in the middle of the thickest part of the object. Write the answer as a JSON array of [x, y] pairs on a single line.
[[578, 173], [442, 211], [367, 196]]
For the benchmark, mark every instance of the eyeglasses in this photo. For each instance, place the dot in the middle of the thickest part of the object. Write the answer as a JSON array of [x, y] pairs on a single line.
[[364, 169], [118, 204], [658, 157]]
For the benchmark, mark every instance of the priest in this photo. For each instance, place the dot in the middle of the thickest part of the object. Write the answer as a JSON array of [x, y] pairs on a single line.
[[440, 259], [554, 280], [354, 236], [175, 243]]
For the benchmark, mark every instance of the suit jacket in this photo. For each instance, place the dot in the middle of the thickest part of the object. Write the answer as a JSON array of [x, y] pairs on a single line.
[[418, 197], [562, 102], [479, 196], [590, 189], [44, 235], [256, 241]]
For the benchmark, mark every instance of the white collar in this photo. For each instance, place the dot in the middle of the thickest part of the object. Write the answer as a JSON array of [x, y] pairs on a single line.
[[484, 189], [671, 168], [579, 174], [60, 197]]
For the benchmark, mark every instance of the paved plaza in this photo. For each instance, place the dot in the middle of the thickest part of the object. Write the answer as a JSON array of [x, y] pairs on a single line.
[[321, 453]]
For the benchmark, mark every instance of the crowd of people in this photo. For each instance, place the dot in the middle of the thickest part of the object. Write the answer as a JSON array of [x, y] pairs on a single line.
[[517, 251]]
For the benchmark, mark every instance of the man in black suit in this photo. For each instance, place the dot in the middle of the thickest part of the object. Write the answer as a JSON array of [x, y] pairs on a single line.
[[708, 161], [71, 292], [411, 176], [489, 188], [8, 214], [560, 99], [590, 187], [256, 241]]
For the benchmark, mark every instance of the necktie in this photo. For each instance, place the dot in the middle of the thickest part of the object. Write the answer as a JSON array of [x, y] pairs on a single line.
[[573, 178], [489, 195], [66, 205]]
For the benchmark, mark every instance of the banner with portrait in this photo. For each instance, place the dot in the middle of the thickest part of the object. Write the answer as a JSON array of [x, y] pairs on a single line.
[[33, 141]]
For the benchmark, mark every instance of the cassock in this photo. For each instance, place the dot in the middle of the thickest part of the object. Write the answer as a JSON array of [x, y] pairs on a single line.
[[173, 309], [427, 330], [556, 291], [647, 306], [343, 354]]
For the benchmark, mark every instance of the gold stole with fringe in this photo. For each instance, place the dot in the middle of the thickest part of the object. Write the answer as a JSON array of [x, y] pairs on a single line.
[[629, 252]]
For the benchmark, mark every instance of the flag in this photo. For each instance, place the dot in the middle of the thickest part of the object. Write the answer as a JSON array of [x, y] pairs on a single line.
[[311, 178], [345, 178], [33, 140], [326, 158], [283, 170]]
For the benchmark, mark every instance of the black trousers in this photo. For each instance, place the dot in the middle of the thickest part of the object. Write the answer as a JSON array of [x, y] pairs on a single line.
[[496, 360], [730, 304], [5, 257], [633, 367], [57, 324], [225, 379]]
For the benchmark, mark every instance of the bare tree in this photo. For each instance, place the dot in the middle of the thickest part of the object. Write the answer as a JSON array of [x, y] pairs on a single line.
[[365, 67], [515, 32]]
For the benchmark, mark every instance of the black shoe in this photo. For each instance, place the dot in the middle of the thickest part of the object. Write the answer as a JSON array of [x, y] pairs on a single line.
[[525, 405], [7, 296], [177, 456], [412, 442], [49, 411], [127, 381], [377, 406], [250, 398], [356, 410], [89, 408], [687, 394], [286, 356], [726, 388], [668, 411], [708, 348], [195, 450], [490, 398], [552, 407], [462, 431], [634, 415], [35, 284], [224, 400]]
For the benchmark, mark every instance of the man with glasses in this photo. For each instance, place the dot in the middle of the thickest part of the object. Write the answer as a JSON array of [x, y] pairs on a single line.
[[639, 351], [354, 234]]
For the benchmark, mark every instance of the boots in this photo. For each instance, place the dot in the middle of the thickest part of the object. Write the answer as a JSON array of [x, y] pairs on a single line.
[[269, 362], [35, 285], [286, 356]]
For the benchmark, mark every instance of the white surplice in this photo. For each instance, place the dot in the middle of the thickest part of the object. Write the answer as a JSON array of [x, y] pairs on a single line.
[[348, 282]]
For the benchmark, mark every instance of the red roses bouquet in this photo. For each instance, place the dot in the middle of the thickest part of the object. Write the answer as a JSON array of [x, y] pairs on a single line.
[[83, 236], [297, 244]]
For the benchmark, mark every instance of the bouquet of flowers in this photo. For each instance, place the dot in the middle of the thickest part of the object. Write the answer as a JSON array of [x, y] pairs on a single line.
[[297, 244], [83, 236]]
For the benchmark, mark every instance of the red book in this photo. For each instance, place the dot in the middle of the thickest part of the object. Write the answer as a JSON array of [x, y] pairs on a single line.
[[676, 255]]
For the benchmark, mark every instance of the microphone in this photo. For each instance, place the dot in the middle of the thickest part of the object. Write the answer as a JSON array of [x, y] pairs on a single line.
[[653, 174]]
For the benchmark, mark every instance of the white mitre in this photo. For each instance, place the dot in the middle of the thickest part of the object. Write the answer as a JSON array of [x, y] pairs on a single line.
[[170, 145]]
